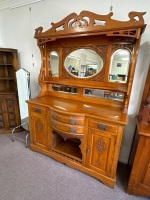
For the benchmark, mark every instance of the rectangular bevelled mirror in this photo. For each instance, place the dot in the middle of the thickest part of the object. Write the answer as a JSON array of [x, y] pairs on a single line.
[[104, 94]]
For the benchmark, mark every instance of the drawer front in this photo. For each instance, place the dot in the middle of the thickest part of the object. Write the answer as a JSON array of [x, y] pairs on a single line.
[[39, 110], [67, 128], [103, 126], [68, 119]]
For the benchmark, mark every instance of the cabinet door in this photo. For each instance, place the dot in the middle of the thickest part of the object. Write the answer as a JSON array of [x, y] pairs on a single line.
[[39, 132], [100, 151], [11, 112]]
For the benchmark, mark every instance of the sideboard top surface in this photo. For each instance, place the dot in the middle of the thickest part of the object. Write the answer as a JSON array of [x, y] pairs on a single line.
[[113, 114]]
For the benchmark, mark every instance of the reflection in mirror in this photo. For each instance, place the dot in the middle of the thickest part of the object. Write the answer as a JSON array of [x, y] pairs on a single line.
[[83, 63], [64, 89], [119, 66], [104, 94], [54, 63]]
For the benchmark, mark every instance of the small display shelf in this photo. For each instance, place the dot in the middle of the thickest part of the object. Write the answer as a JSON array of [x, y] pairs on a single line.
[[69, 147]]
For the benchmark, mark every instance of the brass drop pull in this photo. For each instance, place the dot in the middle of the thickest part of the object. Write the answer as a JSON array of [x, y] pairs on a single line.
[[37, 110], [102, 127], [54, 116], [72, 129], [73, 121], [53, 124]]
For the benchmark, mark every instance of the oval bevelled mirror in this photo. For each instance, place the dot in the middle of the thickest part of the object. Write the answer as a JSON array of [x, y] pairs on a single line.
[[54, 64], [119, 66], [83, 63]]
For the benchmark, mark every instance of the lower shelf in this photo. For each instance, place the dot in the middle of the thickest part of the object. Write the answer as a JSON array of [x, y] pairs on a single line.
[[69, 148]]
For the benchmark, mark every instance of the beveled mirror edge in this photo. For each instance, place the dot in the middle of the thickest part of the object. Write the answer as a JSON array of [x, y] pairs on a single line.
[[92, 74]]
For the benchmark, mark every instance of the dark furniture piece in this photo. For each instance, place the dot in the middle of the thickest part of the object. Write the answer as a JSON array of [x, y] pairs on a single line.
[[9, 108], [139, 183]]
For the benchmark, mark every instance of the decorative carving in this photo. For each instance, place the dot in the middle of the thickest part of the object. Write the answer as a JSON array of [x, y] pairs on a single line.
[[127, 33], [90, 22], [122, 46], [42, 75], [100, 49], [39, 125], [100, 146]]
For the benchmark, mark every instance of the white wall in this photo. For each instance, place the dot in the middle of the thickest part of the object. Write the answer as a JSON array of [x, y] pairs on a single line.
[[17, 31]]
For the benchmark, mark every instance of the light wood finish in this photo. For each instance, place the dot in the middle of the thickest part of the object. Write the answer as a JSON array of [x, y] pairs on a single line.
[[82, 131], [9, 109], [139, 183]]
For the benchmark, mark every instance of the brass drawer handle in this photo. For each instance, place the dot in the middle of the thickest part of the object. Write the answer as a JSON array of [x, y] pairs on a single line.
[[54, 116], [73, 121], [102, 127], [37, 110], [72, 129], [54, 124]]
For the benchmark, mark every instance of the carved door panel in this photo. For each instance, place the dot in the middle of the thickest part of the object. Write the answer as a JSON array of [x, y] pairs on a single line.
[[9, 117], [100, 151], [11, 112], [2, 114], [39, 130]]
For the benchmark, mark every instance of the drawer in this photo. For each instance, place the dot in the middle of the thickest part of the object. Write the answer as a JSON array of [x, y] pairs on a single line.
[[39, 110], [66, 127], [68, 119], [103, 126]]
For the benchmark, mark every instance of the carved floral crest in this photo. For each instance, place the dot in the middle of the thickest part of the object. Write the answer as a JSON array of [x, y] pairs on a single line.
[[91, 22]]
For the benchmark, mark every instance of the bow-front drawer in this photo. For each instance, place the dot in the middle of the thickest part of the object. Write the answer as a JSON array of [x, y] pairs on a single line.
[[103, 126], [68, 119], [74, 129]]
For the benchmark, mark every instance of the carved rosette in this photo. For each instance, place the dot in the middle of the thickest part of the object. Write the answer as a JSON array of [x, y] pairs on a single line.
[[100, 147]]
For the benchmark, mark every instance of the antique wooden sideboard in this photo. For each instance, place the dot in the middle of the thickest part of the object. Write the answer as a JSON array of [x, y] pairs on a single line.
[[139, 182], [87, 70]]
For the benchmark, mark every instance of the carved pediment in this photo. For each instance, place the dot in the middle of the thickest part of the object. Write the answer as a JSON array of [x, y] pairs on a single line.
[[93, 23]]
